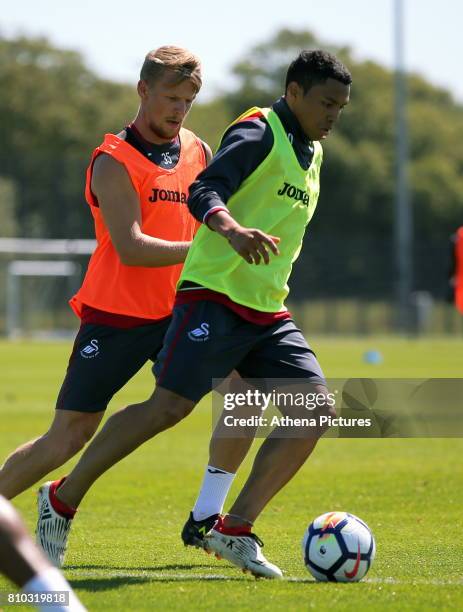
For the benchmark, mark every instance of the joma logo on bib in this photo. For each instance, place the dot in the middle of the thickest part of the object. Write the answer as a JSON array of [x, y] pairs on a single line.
[[295, 193], [167, 195]]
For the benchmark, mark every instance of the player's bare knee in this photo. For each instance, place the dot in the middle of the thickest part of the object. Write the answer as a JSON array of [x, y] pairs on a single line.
[[77, 438], [178, 410], [86, 431], [325, 410], [70, 432], [171, 407], [325, 415]]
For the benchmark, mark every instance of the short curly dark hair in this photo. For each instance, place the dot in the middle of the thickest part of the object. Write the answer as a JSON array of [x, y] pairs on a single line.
[[313, 67]]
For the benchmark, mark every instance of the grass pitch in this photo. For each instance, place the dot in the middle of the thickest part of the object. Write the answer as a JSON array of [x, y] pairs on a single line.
[[125, 552]]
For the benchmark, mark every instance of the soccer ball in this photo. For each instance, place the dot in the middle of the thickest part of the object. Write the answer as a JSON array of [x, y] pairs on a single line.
[[338, 547]]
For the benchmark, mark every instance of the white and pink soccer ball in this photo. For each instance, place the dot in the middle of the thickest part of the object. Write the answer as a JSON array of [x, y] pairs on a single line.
[[338, 547]]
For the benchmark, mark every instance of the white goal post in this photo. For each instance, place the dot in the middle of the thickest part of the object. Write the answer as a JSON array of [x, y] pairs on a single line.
[[44, 259], [37, 246]]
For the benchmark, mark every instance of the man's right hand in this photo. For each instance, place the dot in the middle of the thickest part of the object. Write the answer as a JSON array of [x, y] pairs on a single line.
[[252, 244]]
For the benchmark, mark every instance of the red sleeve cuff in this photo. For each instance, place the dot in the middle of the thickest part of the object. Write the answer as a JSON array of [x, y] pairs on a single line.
[[212, 211]]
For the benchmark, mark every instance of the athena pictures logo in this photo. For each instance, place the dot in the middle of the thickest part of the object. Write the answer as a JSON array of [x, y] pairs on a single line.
[[91, 350], [199, 334]]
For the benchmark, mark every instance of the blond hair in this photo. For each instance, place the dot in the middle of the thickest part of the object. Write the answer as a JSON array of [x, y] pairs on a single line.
[[180, 62]]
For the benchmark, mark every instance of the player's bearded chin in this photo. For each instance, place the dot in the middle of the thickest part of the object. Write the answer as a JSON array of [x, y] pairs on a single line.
[[163, 132]]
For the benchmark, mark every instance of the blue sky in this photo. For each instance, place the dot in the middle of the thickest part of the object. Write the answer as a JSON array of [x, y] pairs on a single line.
[[114, 35]]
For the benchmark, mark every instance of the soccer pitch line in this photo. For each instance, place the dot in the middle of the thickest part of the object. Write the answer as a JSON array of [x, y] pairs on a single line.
[[189, 577], [391, 580]]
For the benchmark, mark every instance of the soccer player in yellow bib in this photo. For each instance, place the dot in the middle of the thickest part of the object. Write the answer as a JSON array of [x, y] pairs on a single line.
[[255, 200]]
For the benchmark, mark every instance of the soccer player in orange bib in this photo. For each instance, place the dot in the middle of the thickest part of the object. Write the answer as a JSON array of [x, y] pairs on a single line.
[[137, 187]]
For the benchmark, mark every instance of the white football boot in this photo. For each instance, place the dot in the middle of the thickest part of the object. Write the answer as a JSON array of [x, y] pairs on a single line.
[[52, 529], [244, 551]]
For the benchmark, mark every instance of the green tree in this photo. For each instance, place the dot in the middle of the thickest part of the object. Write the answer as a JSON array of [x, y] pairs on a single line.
[[209, 121], [53, 112], [8, 203]]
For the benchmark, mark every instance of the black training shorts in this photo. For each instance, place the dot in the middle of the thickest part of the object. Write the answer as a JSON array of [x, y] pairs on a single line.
[[207, 340], [104, 359]]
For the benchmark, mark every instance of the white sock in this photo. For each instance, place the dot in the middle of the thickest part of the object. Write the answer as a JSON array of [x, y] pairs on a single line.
[[214, 490], [52, 580]]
